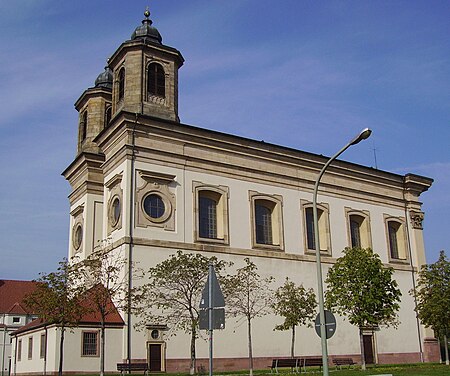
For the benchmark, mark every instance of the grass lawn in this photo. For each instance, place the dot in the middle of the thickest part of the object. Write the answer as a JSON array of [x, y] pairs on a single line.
[[394, 370]]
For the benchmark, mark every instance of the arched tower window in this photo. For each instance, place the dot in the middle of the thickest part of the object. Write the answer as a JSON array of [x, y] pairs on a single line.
[[121, 84], [107, 116], [156, 80], [84, 120]]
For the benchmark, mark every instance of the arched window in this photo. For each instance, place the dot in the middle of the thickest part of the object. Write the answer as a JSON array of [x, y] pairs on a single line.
[[121, 84], [324, 228], [156, 80], [355, 230], [84, 122], [207, 211], [396, 240], [107, 116], [263, 222]]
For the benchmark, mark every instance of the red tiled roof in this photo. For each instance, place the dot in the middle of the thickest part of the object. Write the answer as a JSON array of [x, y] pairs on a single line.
[[90, 318], [12, 294]]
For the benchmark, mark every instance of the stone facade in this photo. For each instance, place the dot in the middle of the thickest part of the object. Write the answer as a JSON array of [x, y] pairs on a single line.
[[144, 152]]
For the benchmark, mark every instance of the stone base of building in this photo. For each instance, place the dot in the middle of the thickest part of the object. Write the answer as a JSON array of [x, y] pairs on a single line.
[[431, 350]]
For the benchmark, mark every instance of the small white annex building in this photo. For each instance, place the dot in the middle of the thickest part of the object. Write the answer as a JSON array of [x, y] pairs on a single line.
[[153, 186]]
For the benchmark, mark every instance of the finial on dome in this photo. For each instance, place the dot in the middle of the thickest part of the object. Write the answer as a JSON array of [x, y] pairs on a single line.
[[147, 12]]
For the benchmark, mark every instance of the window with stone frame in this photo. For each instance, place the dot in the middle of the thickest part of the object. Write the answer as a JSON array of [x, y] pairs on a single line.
[[267, 221], [155, 200], [156, 80], [77, 233], [115, 203], [324, 227], [396, 238], [358, 228], [211, 213], [89, 345]]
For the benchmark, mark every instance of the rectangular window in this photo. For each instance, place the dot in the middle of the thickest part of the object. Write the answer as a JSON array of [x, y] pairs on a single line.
[[30, 348], [43, 346], [19, 350], [90, 344], [16, 320], [393, 244]]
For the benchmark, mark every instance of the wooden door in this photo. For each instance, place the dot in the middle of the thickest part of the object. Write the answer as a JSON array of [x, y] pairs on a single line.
[[155, 357], [368, 349]]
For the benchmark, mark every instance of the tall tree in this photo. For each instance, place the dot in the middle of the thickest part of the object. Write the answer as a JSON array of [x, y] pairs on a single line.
[[57, 299], [362, 289], [174, 292], [248, 295], [297, 305], [433, 298], [105, 274]]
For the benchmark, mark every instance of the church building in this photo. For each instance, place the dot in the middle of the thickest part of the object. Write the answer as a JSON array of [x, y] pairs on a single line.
[[153, 185]]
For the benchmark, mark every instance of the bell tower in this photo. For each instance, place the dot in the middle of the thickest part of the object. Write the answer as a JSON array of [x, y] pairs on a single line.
[[145, 74]]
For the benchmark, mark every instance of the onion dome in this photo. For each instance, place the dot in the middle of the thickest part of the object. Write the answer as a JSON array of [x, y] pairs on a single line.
[[147, 31], [105, 79]]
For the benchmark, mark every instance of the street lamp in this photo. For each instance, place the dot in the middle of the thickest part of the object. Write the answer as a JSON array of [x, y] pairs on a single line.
[[365, 133]]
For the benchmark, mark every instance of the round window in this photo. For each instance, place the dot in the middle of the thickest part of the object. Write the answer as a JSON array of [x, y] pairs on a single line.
[[155, 334], [77, 236], [154, 206], [115, 211]]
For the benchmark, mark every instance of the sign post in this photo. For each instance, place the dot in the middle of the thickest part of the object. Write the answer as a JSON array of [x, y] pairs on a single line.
[[212, 311]]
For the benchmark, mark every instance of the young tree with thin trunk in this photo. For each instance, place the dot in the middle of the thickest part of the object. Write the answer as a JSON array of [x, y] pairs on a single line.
[[105, 274], [362, 289], [249, 296], [433, 298], [174, 293], [297, 305], [56, 300]]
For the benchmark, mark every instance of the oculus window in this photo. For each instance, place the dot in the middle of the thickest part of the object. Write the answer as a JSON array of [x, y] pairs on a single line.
[[115, 206], [155, 198]]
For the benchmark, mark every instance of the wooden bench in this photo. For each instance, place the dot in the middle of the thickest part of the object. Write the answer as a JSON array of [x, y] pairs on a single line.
[[312, 362], [339, 362], [130, 367], [292, 363]]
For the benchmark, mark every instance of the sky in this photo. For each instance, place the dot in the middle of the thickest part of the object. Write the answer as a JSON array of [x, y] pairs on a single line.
[[303, 74]]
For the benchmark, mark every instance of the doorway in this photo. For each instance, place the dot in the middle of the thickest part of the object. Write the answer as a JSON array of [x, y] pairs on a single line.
[[154, 357], [368, 349]]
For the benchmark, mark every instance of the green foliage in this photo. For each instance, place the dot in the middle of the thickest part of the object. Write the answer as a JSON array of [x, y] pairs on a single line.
[[57, 297], [247, 294], [174, 292], [296, 304], [57, 300], [359, 287], [433, 295]]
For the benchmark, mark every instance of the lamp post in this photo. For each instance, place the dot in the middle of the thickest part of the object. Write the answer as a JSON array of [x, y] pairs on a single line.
[[365, 133]]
